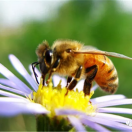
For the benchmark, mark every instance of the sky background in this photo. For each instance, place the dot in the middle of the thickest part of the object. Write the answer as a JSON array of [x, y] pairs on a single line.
[[35, 9], [25, 10]]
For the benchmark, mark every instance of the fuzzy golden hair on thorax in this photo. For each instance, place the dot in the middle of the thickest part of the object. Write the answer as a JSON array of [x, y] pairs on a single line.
[[62, 45], [69, 61]]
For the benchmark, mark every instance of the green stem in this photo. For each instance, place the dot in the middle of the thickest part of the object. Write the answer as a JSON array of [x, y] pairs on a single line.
[[44, 123]]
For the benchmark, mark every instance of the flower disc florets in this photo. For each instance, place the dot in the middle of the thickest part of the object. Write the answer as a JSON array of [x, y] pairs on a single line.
[[56, 97]]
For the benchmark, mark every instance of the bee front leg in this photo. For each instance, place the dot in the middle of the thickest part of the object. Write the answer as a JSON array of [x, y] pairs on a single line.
[[69, 78], [34, 64], [91, 73], [43, 77], [75, 80], [53, 68]]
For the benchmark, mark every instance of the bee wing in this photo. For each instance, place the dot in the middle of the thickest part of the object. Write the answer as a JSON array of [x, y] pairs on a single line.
[[92, 50], [88, 48]]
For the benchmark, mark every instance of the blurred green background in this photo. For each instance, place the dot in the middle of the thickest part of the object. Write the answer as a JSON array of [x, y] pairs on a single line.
[[103, 24]]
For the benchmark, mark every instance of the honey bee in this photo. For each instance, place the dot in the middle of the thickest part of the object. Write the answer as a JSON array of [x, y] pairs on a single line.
[[76, 61]]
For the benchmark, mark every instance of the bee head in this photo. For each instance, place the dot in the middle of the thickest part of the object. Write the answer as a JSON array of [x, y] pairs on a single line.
[[44, 54]]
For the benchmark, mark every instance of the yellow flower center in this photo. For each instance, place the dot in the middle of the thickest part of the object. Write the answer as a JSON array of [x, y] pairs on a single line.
[[55, 97]]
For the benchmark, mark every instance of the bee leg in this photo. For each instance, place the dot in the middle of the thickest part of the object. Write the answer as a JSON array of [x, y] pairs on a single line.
[[34, 64], [75, 80], [68, 81], [53, 69], [43, 77], [91, 73]]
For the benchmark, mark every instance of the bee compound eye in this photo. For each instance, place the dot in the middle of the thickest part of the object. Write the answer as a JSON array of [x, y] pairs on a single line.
[[55, 65], [48, 56]]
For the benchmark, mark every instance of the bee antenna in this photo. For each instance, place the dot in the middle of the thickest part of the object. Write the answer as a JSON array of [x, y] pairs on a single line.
[[34, 64]]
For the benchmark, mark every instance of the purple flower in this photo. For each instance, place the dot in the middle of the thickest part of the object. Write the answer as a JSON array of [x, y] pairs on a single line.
[[74, 108]]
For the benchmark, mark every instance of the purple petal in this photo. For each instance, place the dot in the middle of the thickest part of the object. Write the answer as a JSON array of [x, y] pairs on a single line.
[[112, 117], [109, 123], [115, 102], [11, 107], [79, 85], [37, 72], [76, 123], [68, 112], [14, 100], [115, 110], [8, 94], [8, 83], [20, 68], [107, 98], [12, 90], [94, 87], [23, 87], [56, 80], [94, 126]]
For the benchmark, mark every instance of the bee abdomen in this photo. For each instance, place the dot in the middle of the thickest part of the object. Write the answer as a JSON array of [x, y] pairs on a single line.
[[113, 78], [111, 82], [110, 88]]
